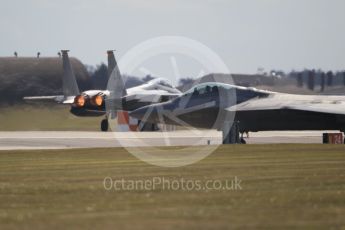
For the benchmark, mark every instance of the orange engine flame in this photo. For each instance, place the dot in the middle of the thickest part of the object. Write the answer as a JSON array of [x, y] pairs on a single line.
[[79, 101], [97, 100]]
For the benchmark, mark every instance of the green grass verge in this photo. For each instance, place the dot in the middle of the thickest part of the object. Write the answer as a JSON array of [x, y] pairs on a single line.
[[283, 186], [47, 117]]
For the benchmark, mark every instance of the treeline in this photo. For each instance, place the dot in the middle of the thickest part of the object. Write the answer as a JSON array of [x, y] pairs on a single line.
[[314, 79], [31, 76], [311, 79]]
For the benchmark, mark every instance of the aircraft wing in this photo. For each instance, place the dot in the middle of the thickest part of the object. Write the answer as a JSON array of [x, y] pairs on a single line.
[[158, 93], [153, 96], [331, 105], [57, 98], [143, 98]]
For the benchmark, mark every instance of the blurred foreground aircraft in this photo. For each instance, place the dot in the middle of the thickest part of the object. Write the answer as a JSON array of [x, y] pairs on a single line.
[[235, 109]]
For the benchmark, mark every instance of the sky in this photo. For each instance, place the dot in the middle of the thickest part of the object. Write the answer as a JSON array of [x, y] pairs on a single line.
[[245, 34]]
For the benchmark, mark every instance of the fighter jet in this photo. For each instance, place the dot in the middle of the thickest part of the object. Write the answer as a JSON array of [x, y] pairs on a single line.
[[93, 102], [235, 109]]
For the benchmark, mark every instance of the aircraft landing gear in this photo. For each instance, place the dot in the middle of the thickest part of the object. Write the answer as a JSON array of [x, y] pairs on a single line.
[[144, 126], [231, 133], [243, 141], [104, 125]]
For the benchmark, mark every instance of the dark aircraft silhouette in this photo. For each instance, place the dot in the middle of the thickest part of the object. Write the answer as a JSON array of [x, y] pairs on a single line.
[[235, 109]]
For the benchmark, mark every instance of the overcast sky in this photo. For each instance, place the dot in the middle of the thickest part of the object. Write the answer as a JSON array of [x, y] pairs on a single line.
[[246, 34]]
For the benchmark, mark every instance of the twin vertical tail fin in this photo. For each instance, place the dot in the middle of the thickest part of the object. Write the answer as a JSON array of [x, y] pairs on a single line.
[[116, 87], [116, 84], [69, 82], [111, 62]]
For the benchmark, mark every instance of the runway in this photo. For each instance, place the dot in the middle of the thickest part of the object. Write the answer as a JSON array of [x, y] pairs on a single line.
[[71, 139], [61, 140]]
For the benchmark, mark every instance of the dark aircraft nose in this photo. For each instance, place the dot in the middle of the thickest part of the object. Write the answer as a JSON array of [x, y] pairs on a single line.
[[146, 114]]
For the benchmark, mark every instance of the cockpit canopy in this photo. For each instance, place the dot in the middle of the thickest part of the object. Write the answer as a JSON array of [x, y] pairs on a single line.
[[161, 81], [207, 87], [225, 90]]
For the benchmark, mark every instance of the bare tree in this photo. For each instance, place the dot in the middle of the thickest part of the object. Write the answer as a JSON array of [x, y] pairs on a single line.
[[330, 76], [299, 79], [323, 81], [311, 80]]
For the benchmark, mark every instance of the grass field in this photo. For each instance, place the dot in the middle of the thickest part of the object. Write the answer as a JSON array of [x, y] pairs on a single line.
[[46, 117], [283, 186]]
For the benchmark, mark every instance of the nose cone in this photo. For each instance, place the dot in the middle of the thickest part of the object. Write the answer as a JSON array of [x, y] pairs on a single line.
[[146, 114]]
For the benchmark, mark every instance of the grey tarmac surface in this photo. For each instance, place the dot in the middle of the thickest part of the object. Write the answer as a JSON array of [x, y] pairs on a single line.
[[61, 139]]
